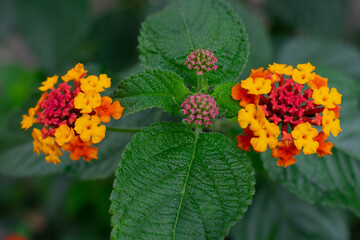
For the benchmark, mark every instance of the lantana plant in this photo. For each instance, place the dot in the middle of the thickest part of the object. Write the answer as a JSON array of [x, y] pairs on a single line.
[[186, 179], [70, 115], [275, 106]]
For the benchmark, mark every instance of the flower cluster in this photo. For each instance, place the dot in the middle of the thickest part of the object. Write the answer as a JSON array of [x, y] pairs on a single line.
[[70, 114], [201, 60], [199, 109], [285, 113]]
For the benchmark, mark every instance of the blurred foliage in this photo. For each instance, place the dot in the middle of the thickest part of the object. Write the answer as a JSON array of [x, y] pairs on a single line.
[[281, 215], [55, 35]]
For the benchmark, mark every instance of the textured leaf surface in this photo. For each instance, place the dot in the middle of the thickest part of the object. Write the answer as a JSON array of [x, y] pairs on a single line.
[[152, 88], [168, 37], [334, 179], [260, 47], [175, 184], [277, 215], [18, 159], [335, 55], [228, 107]]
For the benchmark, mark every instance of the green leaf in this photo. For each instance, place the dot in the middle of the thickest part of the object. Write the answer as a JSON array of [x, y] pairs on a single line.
[[17, 158], [173, 183], [168, 37], [330, 54], [152, 88], [260, 47], [228, 107], [276, 215], [334, 179]]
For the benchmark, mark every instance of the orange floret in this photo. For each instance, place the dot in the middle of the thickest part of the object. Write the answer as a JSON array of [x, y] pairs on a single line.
[[244, 140], [106, 109], [318, 82], [336, 110], [324, 147], [260, 73], [238, 93], [285, 151], [79, 148]]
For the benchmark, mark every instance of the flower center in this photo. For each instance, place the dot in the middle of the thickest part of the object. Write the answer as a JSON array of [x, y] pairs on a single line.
[[287, 104], [57, 108]]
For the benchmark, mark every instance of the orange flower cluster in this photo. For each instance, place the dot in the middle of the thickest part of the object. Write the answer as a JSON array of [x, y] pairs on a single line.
[[282, 107], [71, 114]]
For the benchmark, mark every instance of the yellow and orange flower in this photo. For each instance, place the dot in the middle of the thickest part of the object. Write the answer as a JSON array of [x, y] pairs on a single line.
[[281, 106], [71, 115]]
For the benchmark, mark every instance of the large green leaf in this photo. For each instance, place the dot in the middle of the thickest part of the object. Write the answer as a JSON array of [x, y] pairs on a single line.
[[260, 47], [152, 88], [228, 107], [17, 158], [173, 183], [331, 54], [277, 215], [334, 179], [168, 37]]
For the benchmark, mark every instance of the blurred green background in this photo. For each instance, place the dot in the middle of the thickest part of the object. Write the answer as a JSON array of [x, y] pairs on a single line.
[[40, 38]]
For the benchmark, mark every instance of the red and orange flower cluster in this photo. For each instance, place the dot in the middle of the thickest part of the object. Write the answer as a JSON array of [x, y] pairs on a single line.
[[282, 107], [71, 114]]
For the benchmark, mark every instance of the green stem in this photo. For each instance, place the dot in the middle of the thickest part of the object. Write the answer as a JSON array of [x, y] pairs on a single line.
[[133, 130], [198, 130], [200, 83]]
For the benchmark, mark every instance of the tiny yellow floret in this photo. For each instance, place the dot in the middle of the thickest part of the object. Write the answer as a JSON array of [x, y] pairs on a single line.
[[266, 136], [87, 127], [327, 98], [29, 120], [281, 69], [49, 83], [47, 146], [95, 84], [64, 134], [75, 73], [257, 86], [306, 67], [87, 101], [330, 123], [302, 77], [304, 136], [251, 115]]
